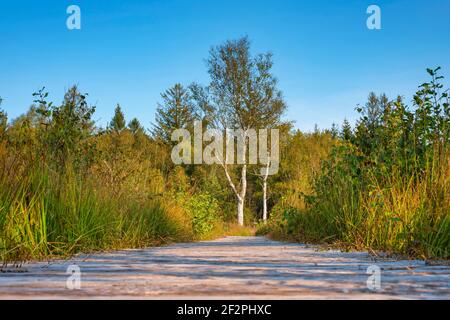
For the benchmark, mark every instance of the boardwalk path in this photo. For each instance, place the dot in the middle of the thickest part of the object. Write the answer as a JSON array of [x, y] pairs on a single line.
[[229, 268]]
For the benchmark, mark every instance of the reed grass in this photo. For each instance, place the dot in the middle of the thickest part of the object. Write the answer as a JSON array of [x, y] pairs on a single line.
[[44, 216]]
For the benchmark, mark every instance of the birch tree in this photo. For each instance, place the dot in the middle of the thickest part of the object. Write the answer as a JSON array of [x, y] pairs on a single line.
[[268, 160], [242, 97]]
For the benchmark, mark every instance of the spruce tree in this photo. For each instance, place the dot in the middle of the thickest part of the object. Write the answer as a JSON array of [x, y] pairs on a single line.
[[176, 112], [346, 132], [135, 126], [3, 121], [118, 121]]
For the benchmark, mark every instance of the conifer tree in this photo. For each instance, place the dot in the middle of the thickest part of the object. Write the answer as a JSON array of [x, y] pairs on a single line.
[[177, 111], [135, 126], [346, 132], [118, 121]]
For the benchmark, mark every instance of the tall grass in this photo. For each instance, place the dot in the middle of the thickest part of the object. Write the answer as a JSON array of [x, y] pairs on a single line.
[[396, 213], [45, 215], [386, 185]]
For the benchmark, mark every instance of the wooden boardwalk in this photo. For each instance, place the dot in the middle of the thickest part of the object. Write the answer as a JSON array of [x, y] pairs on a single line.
[[228, 268]]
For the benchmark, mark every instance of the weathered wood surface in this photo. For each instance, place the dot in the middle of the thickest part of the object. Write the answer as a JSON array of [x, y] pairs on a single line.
[[229, 268]]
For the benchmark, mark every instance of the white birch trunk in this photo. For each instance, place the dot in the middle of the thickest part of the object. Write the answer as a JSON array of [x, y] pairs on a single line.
[[240, 210], [266, 175], [265, 201], [241, 198], [240, 195]]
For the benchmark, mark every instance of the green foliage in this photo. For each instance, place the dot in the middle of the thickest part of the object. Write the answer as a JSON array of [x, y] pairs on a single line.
[[384, 187], [176, 112], [3, 123], [91, 189], [118, 121], [135, 126], [243, 92], [301, 158], [204, 212], [63, 128], [346, 133], [38, 219], [67, 186], [334, 131]]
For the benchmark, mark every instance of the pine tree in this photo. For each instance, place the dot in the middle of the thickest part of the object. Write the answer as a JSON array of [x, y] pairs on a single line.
[[346, 132], [135, 126], [3, 121], [334, 131], [176, 112], [118, 121]]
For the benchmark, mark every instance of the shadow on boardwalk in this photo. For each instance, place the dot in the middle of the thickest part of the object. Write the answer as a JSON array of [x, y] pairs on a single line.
[[229, 268]]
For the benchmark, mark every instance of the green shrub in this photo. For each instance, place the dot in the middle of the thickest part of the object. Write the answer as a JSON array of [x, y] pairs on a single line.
[[385, 185], [204, 210]]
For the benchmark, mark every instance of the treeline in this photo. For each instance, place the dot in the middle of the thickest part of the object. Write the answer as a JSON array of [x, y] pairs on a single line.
[[385, 184], [68, 185]]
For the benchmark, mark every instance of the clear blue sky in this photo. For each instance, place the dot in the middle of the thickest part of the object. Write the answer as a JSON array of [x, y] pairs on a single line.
[[326, 59]]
